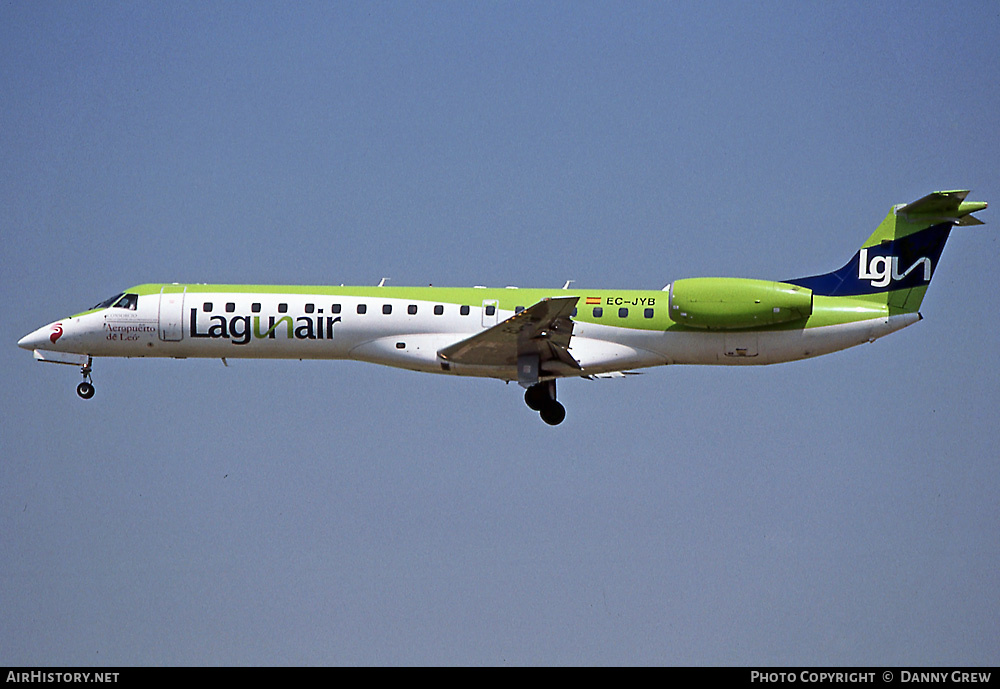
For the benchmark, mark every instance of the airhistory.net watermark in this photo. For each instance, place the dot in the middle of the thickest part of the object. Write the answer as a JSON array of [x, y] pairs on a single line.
[[32, 676]]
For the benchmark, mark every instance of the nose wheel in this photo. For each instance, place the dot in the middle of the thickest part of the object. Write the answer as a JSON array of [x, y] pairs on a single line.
[[541, 397], [86, 389]]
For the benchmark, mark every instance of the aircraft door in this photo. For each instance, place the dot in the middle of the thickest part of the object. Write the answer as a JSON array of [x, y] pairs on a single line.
[[491, 312], [171, 316]]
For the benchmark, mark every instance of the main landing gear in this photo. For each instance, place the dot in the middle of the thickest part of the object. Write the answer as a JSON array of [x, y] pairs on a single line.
[[86, 388], [541, 397]]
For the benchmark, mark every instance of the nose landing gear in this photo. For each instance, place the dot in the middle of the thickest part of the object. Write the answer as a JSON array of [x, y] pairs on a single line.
[[541, 397], [86, 389]]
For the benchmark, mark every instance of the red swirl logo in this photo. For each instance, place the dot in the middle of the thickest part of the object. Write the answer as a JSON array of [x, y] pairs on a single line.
[[57, 332]]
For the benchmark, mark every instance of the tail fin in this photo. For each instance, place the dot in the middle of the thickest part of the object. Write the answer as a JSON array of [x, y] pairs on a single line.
[[897, 262]]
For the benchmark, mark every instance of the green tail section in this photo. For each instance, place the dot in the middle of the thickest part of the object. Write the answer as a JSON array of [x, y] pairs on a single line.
[[895, 266]]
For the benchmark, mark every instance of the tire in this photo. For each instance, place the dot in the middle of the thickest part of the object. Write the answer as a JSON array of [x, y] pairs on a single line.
[[553, 413], [536, 397], [85, 390]]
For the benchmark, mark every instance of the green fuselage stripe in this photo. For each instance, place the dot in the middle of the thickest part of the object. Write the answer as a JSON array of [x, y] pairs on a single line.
[[617, 308]]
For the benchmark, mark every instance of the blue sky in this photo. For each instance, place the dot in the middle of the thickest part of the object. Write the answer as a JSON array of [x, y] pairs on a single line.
[[836, 511]]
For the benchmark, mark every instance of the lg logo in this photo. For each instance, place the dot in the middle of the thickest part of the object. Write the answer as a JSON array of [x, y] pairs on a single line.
[[882, 270]]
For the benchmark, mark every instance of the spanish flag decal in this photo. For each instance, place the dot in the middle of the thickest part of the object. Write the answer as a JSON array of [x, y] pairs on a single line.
[[593, 300]]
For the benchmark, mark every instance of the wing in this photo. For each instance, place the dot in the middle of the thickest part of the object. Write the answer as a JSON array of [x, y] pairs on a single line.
[[535, 340]]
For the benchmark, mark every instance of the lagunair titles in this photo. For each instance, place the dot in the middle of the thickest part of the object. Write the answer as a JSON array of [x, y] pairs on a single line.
[[237, 328], [532, 336]]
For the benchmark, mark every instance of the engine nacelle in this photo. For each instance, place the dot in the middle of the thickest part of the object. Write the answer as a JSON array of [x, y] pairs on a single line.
[[735, 303]]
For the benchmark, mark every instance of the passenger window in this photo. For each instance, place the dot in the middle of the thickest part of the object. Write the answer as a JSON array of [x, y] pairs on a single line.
[[464, 310], [255, 307], [648, 313], [362, 309], [598, 311], [572, 313], [335, 308], [206, 307], [623, 312], [411, 309], [310, 308], [438, 310], [282, 308], [230, 307], [386, 309], [490, 310]]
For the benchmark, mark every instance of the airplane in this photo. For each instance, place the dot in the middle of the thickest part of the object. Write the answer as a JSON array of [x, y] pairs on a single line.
[[532, 336]]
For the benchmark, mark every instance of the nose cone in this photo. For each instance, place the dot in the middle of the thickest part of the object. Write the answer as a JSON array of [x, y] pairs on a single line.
[[43, 338]]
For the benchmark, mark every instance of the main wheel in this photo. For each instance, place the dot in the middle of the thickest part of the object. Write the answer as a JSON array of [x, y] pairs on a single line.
[[85, 390], [537, 396], [553, 413]]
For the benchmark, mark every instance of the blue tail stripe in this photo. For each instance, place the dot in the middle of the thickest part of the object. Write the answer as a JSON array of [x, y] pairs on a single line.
[[854, 279]]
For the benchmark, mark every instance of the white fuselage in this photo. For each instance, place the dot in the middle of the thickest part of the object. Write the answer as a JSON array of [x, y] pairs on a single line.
[[407, 333]]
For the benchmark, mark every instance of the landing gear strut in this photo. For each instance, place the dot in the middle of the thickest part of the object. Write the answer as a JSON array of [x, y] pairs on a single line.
[[541, 397], [86, 388]]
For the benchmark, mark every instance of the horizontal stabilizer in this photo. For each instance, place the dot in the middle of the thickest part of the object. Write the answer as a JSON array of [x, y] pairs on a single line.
[[944, 205], [970, 220]]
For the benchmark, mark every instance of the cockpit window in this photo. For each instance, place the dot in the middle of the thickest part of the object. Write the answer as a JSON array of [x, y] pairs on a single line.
[[128, 301], [108, 302]]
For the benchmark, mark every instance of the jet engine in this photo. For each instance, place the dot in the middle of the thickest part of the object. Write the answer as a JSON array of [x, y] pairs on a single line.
[[736, 303]]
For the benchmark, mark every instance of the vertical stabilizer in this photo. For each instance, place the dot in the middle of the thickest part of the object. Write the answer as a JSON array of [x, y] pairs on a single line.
[[896, 264]]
